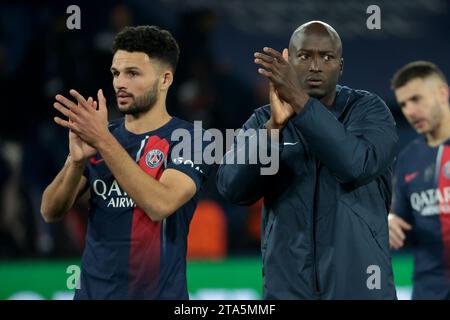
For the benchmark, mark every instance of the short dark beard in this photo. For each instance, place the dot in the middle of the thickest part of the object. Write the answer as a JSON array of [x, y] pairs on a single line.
[[143, 103]]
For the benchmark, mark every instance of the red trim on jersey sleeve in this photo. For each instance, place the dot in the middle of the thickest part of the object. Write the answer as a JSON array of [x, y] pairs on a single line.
[[145, 250]]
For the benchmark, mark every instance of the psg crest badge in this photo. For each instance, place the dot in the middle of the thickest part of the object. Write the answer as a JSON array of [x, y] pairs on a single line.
[[447, 170], [154, 158]]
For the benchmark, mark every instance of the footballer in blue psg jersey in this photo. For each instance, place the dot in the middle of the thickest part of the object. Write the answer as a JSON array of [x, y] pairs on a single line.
[[142, 198], [421, 207]]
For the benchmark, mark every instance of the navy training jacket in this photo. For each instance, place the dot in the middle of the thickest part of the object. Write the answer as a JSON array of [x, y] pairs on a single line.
[[324, 220]]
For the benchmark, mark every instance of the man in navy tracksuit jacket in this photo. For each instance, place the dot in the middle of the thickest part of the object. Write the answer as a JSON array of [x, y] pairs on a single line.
[[324, 225]]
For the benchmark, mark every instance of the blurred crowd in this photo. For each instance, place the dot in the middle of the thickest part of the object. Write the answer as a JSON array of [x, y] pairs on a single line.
[[51, 59], [40, 57]]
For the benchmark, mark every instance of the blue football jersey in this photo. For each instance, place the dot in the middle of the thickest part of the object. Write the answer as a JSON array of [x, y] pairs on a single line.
[[422, 198], [127, 255]]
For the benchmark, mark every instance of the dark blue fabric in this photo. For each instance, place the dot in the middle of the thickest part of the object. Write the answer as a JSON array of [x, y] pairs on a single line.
[[105, 262], [324, 224], [415, 200]]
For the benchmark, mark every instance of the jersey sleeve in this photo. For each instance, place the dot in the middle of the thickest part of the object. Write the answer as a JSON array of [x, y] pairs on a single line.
[[400, 202]]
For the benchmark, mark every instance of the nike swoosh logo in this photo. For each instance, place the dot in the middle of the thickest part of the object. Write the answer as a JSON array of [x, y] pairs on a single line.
[[290, 143], [411, 176], [95, 161]]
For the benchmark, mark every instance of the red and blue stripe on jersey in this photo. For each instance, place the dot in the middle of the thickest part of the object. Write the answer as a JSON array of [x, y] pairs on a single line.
[[422, 197], [127, 255]]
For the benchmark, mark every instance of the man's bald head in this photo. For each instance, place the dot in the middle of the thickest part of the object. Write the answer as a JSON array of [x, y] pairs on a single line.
[[315, 52], [316, 28]]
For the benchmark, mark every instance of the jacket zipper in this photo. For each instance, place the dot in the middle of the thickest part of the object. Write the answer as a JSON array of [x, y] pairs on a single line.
[[313, 233], [313, 224]]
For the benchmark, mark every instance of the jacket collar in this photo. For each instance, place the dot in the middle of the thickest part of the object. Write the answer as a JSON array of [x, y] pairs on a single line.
[[341, 101]]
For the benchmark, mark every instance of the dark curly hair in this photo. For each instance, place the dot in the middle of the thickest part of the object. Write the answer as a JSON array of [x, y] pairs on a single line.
[[157, 43], [413, 70]]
